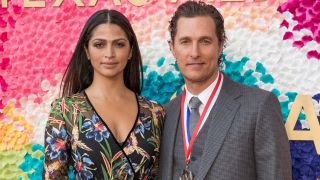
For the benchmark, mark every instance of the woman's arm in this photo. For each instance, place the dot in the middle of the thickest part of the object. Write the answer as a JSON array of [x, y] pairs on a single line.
[[57, 144]]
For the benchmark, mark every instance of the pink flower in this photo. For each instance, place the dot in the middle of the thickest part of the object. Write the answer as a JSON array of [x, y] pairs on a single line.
[[306, 39], [3, 23], [313, 54], [4, 36], [3, 84], [17, 9], [1, 107], [11, 21], [298, 44], [288, 35], [284, 24], [306, 13], [3, 11], [5, 63]]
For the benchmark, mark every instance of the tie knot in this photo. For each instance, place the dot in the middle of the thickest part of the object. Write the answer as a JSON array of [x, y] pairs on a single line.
[[195, 103]]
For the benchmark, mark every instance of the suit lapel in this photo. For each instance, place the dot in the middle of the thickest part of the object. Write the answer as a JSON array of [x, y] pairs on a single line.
[[219, 122], [169, 136]]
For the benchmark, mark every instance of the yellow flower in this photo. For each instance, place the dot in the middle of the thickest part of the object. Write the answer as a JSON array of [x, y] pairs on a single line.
[[15, 132]]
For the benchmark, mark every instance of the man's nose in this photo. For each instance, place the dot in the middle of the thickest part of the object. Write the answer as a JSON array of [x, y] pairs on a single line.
[[195, 50]]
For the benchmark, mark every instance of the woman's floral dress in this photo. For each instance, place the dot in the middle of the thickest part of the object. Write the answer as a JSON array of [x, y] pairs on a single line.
[[77, 137]]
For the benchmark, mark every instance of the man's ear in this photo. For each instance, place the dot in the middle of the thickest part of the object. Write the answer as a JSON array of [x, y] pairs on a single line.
[[221, 48], [170, 42]]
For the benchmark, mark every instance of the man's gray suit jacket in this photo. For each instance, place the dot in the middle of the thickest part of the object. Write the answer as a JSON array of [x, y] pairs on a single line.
[[246, 139]]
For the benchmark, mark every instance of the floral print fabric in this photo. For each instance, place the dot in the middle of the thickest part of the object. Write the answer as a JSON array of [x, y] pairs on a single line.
[[76, 136]]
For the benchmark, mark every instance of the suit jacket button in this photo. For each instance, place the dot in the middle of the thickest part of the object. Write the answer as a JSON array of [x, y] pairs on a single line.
[[192, 158]]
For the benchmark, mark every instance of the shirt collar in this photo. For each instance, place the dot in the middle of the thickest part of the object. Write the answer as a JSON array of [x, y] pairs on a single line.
[[204, 95]]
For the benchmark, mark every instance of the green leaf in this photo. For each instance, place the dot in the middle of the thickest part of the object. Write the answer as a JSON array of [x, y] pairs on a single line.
[[106, 152], [66, 119], [108, 148], [80, 121], [118, 164], [105, 174]]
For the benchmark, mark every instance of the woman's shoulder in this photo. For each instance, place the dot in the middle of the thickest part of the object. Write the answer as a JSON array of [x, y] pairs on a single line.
[[71, 100], [154, 109], [148, 103]]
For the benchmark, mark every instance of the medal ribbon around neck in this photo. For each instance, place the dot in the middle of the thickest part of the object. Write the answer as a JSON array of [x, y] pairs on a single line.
[[188, 146]]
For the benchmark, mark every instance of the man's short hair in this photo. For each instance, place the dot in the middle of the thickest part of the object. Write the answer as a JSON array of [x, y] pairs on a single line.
[[191, 9]]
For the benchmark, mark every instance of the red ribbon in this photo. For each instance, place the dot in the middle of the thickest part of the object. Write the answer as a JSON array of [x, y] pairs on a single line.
[[187, 149]]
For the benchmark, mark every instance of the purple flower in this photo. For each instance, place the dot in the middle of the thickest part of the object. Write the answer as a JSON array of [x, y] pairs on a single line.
[[83, 166], [57, 144], [95, 128], [142, 126]]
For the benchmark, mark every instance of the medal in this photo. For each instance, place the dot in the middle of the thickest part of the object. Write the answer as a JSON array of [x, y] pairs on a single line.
[[186, 174]]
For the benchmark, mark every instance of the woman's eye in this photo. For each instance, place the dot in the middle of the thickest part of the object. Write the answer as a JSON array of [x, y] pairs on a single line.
[[120, 45], [98, 45]]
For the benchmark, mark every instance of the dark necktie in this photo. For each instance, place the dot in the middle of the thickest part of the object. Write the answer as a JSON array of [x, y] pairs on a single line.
[[194, 105]]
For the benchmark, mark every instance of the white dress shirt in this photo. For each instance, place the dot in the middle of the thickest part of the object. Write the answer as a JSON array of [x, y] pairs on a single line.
[[204, 97]]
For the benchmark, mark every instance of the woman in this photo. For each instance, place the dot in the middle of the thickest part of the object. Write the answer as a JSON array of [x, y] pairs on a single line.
[[102, 128]]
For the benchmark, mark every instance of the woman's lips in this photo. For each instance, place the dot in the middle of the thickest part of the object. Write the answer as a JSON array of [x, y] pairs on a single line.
[[109, 64]]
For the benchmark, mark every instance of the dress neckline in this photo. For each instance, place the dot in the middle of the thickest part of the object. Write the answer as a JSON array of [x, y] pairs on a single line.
[[120, 144]]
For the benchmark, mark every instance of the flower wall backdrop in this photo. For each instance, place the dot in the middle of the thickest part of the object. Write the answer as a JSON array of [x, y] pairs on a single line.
[[272, 44]]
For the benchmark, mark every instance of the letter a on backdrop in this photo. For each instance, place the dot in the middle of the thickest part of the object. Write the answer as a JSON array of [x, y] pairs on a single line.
[[304, 102]]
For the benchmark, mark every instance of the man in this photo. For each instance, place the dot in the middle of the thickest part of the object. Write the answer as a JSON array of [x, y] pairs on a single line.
[[218, 129]]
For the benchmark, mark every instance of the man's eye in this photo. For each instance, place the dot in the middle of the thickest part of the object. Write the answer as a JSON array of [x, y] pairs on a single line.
[[205, 42], [184, 42]]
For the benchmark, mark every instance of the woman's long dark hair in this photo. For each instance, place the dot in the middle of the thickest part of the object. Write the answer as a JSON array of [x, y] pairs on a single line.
[[79, 73]]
